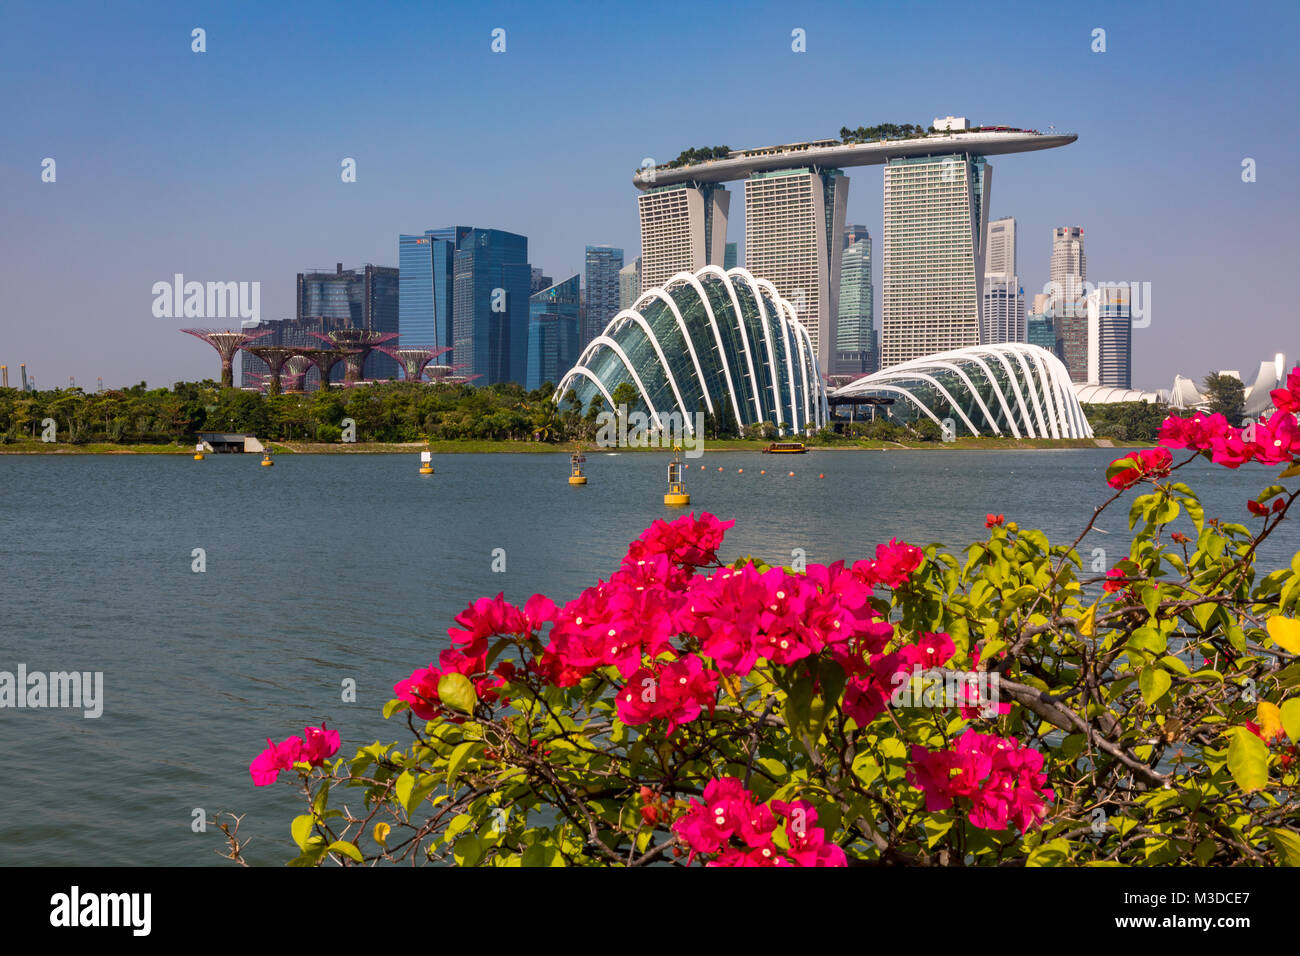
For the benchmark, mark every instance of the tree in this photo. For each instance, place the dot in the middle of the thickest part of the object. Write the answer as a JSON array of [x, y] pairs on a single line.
[[1226, 396]]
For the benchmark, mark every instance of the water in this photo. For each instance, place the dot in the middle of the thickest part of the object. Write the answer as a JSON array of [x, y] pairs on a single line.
[[325, 568]]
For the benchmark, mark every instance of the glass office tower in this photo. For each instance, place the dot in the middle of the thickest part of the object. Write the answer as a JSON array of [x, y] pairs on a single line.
[[552, 332]]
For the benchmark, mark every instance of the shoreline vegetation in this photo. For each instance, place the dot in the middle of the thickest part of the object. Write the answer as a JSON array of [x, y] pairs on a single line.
[[403, 417], [476, 446]]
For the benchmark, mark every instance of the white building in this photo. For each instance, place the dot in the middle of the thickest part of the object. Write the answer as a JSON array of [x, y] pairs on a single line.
[[794, 221], [683, 229]]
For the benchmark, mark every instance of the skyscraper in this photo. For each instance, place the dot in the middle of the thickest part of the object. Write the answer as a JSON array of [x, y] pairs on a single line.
[[427, 296], [1001, 257], [491, 278], [936, 220], [1002, 316], [1110, 337], [603, 265], [1040, 331], [365, 298], [794, 223], [1068, 306], [683, 228], [538, 282], [629, 283], [729, 257], [552, 332], [855, 333]]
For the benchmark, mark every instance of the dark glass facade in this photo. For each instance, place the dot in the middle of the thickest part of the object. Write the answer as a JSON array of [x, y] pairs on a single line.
[[552, 332], [491, 279], [603, 264], [365, 298]]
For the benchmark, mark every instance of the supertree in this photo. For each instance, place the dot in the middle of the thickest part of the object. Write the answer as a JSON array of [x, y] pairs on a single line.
[[324, 360], [226, 342], [413, 361], [295, 372], [274, 356], [358, 343], [448, 374]]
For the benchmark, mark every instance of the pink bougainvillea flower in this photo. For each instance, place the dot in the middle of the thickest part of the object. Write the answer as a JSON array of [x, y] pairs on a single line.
[[998, 780], [1288, 399], [1196, 433], [267, 765], [319, 744], [1277, 439]]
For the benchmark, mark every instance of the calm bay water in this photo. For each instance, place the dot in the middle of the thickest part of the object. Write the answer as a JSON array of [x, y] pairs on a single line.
[[325, 568]]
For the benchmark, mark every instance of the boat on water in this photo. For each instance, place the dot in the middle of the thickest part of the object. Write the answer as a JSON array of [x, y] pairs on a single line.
[[785, 448]]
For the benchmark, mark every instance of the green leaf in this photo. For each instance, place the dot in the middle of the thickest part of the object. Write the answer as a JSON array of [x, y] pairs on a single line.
[[797, 704], [1248, 760], [1291, 718], [1154, 683], [405, 783], [300, 829], [457, 692], [469, 849], [540, 854], [394, 706], [1288, 845], [420, 791], [459, 757], [1049, 854], [347, 849]]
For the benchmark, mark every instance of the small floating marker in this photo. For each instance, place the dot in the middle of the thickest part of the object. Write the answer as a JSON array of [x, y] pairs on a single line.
[[576, 460], [719, 468], [792, 474], [821, 476], [198, 452], [426, 468], [740, 471], [676, 494], [266, 460], [763, 472]]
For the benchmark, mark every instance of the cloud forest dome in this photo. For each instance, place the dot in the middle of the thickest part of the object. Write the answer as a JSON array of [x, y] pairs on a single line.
[[1012, 389], [721, 342]]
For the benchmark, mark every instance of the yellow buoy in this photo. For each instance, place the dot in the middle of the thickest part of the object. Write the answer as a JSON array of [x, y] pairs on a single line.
[[426, 469], [426, 466], [198, 456], [266, 460], [576, 460], [676, 495]]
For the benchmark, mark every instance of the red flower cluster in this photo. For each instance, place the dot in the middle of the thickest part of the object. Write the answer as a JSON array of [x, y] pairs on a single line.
[[674, 692], [315, 747], [1145, 464], [485, 618], [1288, 399], [733, 825], [1275, 440], [999, 779], [1262, 510], [992, 520]]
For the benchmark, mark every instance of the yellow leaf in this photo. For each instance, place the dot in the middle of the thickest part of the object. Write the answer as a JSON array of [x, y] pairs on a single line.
[[1088, 623], [381, 833], [1269, 718], [1285, 632]]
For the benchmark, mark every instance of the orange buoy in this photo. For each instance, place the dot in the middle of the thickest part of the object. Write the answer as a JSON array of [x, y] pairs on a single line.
[[763, 472], [792, 474], [740, 471], [821, 476], [719, 468]]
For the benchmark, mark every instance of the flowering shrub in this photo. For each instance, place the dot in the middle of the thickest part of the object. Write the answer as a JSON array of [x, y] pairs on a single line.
[[687, 710]]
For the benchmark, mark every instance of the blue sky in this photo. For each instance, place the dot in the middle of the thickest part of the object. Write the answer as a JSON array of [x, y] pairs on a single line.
[[225, 165]]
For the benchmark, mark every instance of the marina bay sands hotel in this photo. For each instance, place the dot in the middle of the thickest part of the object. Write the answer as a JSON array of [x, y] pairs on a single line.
[[936, 208]]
